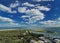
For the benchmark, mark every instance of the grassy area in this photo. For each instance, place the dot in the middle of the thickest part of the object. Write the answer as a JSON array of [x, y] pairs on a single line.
[[13, 36], [18, 36]]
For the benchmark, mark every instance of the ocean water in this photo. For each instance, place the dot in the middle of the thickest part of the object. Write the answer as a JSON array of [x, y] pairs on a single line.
[[55, 29], [52, 29]]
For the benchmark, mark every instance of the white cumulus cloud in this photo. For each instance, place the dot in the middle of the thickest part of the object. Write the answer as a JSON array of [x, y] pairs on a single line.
[[21, 9], [37, 0], [35, 13], [28, 4], [42, 0], [5, 19], [7, 22], [59, 18], [25, 16], [4, 8], [50, 23], [13, 5], [43, 8]]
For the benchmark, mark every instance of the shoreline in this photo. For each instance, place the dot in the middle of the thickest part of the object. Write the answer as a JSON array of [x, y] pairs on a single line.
[[8, 29]]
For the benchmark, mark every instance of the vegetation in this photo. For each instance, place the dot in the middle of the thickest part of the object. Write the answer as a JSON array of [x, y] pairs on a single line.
[[18, 36], [15, 36]]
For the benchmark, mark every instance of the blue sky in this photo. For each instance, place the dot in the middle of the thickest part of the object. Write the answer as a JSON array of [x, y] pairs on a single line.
[[16, 13]]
